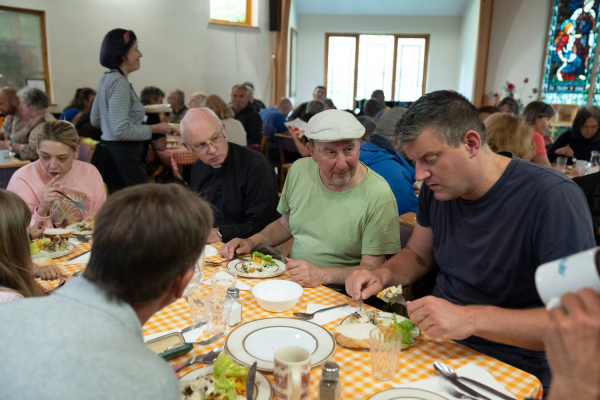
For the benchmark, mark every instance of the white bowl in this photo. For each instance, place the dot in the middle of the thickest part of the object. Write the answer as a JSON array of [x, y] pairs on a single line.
[[277, 295]]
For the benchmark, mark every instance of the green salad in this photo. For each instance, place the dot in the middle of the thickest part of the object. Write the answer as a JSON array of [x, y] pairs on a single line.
[[404, 328], [263, 259]]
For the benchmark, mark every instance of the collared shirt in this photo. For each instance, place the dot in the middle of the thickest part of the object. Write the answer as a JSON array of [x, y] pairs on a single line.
[[176, 117], [82, 347], [252, 123], [12, 123], [243, 192]]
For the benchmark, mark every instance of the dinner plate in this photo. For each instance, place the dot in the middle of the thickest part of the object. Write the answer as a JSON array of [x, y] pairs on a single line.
[[157, 108], [406, 393], [55, 254], [236, 266], [415, 334], [262, 387], [257, 341], [73, 227]]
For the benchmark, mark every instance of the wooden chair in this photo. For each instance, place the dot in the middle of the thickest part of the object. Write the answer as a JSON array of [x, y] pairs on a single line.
[[285, 168], [264, 145], [86, 151]]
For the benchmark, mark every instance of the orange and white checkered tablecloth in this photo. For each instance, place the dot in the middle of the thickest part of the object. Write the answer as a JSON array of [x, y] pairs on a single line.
[[176, 157], [416, 363]]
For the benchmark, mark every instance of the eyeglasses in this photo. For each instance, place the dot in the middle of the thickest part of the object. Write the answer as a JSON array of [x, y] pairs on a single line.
[[203, 147], [589, 128]]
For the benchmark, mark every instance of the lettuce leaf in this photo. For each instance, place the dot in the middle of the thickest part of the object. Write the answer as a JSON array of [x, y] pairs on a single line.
[[33, 248], [223, 385], [263, 257], [404, 328]]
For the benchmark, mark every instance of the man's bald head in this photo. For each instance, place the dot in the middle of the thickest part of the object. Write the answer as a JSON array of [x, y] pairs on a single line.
[[9, 101], [284, 106], [201, 126]]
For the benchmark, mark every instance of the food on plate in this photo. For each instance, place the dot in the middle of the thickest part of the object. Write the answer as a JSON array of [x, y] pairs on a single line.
[[353, 335], [227, 382], [85, 226], [258, 262], [373, 318], [33, 248], [404, 327], [65, 233], [56, 244], [39, 244], [388, 294], [364, 317]]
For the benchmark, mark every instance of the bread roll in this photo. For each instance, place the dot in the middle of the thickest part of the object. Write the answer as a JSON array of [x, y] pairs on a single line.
[[353, 335], [64, 233], [43, 261]]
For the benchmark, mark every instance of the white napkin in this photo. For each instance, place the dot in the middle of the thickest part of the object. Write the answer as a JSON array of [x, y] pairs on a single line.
[[238, 284], [84, 259], [210, 251], [471, 370], [328, 316], [190, 336]]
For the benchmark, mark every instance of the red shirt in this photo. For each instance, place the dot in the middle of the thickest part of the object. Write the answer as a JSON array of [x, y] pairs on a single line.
[[540, 146]]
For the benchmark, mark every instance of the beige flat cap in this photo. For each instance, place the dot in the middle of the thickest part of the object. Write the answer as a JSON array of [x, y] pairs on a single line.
[[333, 126]]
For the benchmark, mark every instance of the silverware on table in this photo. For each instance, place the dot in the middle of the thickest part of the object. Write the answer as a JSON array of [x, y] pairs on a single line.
[[447, 386], [206, 359], [81, 238], [210, 340], [307, 316], [79, 273], [250, 378], [192, 327], [400, 300], [78, 204], [447, 371], [78, 255], [441, 369], [277, 253], [214, 264]]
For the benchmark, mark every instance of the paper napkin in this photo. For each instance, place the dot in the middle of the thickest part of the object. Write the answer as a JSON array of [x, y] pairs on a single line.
[[328, 316], [84, 259], [210, 251], [190, 336]]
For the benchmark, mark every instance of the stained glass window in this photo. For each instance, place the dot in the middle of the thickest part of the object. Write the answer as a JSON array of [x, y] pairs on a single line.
[[570, 56]]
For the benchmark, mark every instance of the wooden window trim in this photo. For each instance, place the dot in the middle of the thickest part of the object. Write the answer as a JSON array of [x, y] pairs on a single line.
[[42, 15], [396, 37], [292, 31], [247, 24]]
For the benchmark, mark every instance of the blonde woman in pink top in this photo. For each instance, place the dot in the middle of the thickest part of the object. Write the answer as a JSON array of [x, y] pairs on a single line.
[[43, 183]]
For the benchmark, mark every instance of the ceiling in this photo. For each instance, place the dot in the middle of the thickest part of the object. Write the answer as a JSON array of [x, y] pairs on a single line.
[[382, 7]]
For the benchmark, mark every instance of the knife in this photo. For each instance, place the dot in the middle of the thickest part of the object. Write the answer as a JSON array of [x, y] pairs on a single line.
[[250, 381], [192, 327], [465, 388], [486, 388], [277, 253]]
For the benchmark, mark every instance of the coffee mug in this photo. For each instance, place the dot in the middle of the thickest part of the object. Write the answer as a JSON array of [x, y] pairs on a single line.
[[291, 375], [4, 157], [568, 274]]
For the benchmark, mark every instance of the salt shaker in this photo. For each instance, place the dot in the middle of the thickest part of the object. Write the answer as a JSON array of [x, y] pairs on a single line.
[[329, 386], [234, 304]]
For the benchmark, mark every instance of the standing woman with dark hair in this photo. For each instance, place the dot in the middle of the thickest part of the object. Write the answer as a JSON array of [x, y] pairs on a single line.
[[508, 105], [118, 112], [582, 139], [538, 115]]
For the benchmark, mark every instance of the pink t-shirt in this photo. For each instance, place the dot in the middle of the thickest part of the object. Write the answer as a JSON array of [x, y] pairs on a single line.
[[82, 183], [7, 295], [540, 145]]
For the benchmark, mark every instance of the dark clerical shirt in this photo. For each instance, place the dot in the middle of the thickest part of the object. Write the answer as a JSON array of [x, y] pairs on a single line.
[[252, 123], [243, 192]]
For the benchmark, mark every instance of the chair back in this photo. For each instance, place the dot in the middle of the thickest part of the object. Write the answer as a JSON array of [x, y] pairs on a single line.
[[86, 151], [264, 145]]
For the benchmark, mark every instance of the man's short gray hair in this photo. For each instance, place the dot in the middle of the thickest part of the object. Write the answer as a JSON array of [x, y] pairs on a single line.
[[180, 95], [447, 112], [34, 98], [315, 107]]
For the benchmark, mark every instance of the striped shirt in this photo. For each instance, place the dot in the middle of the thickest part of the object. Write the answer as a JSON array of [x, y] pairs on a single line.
[[117, 111]]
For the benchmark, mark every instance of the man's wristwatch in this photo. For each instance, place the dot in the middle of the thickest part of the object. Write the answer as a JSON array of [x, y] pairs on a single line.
[[219, 233]]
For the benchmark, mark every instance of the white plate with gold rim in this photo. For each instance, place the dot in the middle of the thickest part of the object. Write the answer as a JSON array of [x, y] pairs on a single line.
[[385, 319], [157, 108], [263, 390], [257, 341], [236, 266], [407, 393]]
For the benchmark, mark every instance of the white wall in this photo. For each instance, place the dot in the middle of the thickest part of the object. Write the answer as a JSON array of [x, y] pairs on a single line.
[[517, 45], [444, 41], [468, 48], [292, 24], [181, 48]]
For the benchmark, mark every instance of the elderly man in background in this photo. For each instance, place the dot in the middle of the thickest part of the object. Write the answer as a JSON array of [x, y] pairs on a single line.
[[177, 101], [14, 119], [238, 182], [485, 295], [319, 94], [343, 216], [386, 161], [34, 105], [273, 119], [258, 105], [245, 113]]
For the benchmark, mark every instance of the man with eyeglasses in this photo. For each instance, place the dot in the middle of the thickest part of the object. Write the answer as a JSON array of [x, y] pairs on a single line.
[[239, 183]]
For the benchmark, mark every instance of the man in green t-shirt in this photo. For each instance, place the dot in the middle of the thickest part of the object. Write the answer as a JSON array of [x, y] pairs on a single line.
[[342, 215]]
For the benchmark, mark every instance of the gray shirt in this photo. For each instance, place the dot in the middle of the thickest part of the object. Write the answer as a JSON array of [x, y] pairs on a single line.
[[75, 344], [117, 111]]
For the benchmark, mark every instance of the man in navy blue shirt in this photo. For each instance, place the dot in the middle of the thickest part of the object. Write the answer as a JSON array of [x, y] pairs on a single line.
[[273, 121], [488, 222]]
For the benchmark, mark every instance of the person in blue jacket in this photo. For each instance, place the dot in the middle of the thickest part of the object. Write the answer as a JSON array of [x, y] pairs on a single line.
[[378, 154]]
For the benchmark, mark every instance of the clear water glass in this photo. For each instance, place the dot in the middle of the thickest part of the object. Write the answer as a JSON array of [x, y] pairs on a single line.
[[561, 163], [386, 344], [197, 308], [594, 164], [217, 314], [220, 281]]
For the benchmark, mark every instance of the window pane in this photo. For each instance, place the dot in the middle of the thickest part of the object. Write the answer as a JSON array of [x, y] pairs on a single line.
[[375, 65], [409, 69], [340, 71], [228, 10], [21, 55]]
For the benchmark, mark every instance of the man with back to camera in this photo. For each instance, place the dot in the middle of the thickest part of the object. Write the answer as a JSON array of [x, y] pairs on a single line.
[[88, 335], [488, 222], [319, 94]]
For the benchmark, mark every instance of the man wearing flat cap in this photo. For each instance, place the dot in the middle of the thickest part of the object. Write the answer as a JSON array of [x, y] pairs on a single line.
[[342, 215]]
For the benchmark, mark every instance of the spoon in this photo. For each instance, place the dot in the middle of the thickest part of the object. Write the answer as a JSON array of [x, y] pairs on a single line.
[[448, 373], [311, 316], [207, 358]]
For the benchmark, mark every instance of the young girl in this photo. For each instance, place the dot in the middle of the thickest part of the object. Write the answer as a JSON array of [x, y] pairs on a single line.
[[17, 278]]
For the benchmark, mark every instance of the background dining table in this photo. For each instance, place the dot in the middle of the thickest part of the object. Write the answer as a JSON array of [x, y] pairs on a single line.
[[173, 158], [416, 363]]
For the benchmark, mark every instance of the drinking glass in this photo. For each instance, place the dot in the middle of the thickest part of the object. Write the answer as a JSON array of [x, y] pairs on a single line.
[[195, 301], [561, 163], [386, 344], [580, 166], [218, 314], [220, 281]]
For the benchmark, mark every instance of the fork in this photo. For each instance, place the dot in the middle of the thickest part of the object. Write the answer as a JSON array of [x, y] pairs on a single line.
[[210, 340], [447, 386]]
